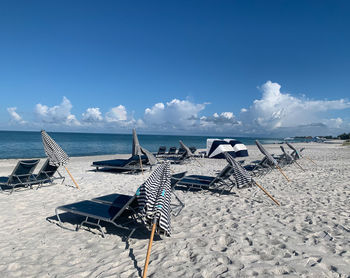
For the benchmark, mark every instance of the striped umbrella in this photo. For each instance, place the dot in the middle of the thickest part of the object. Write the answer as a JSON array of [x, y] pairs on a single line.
[[54, 152], [154, 198], [242, 176], [270, 158]]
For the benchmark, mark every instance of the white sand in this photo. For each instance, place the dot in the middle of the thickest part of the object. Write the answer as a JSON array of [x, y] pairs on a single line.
[[237, 235]]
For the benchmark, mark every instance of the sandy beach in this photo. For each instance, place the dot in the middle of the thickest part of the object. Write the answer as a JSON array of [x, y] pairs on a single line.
[[242, 234]]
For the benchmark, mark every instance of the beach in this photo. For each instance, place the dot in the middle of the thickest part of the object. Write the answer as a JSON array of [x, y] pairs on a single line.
[[241, 234]]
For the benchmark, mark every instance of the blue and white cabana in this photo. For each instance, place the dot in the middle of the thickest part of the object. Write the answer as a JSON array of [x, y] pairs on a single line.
[[217, 147]]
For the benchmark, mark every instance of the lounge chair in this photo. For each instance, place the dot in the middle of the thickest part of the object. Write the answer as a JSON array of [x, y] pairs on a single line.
[[221, 181], [115, 198], [98, 210], [172, 151], [174, 180], [131, 165], [161, 151], [20, 176], [46, 174]]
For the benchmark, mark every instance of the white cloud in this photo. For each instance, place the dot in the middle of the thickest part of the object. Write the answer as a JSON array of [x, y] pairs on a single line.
[[15, 117], [275, 109], [92, 115], [174, 114], [117, 114], [244, 110], [224, 119], [58, 114]]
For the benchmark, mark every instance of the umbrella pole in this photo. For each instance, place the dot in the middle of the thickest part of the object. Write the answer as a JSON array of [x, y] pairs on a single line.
[[149, 249], [279, 168], [77, 186], [266, 193], [141, 164], [310, 160], [299, 165]]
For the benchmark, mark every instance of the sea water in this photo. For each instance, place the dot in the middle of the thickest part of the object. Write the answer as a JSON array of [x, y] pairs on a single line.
[[27, 144]]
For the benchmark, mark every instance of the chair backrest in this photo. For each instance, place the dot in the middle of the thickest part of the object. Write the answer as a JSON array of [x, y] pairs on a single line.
[[172, 150], [161, 150], [193, 149], [47, 171], [181, 151], [23, 170], [226, 172], [174, 179]]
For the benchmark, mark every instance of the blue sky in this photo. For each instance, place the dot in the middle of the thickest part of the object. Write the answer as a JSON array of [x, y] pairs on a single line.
[[178, 67]]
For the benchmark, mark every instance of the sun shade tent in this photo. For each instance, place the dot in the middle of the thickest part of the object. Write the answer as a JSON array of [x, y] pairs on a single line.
[[239, 148], [217, 147]]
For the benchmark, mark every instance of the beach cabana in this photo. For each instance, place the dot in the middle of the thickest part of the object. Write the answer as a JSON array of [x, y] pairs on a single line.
[[217, 147], [239, 148]]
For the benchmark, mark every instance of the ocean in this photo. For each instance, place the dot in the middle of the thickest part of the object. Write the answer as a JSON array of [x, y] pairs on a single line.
[[26, 144]]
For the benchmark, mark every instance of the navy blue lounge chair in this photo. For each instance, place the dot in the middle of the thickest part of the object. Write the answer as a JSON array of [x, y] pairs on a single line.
[[126, 165], [221, 181], [46, 175], [20, 176], [115, 198], [161, 151], [107, 209]]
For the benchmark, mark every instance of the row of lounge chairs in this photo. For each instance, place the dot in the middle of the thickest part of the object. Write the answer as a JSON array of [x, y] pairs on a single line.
[[23, 175], [173, 151]]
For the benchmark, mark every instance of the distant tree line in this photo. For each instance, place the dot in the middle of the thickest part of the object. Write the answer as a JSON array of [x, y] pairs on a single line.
[[344, 136]]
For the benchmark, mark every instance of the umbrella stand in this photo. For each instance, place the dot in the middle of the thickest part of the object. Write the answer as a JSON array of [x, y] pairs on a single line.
[[149, 248], [310, 160], [279, 168], [299, 166], [72, 177], [266, 193], [141, 164]]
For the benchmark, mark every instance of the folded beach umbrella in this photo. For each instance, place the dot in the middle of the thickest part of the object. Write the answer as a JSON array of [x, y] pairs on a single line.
[[187, 149], [269, 157], [242, 176], [154, 198], [138, 150], [57, 156]]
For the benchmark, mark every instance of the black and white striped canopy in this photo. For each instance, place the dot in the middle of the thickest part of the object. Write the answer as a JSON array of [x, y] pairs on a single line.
[[56, 155], [241, 175], [154, 198], [266, 153]]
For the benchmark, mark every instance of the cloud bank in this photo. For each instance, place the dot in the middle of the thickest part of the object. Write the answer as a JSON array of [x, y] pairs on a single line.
[[276, 113]]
